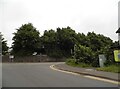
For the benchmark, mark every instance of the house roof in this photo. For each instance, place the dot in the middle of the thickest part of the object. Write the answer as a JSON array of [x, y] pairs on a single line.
[[118, 31]]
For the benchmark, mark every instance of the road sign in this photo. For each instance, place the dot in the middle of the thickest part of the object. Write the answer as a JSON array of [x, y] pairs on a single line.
[[117, 55]]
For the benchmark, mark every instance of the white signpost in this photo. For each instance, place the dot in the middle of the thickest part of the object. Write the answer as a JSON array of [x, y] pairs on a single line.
[[102, 60], [11, 58], [118, 31]]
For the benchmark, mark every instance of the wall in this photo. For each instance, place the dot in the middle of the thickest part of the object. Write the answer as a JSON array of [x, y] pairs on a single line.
[[40, 58]]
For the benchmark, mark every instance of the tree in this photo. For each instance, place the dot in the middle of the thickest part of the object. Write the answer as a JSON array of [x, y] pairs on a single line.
[[100, 44], [49, 41], [90, 46], [26, 40], [66, 38], [59, 43], [3, 46], [98, 41], [82, 39]]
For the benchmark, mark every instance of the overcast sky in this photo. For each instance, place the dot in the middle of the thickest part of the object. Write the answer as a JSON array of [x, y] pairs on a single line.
[[100, 16]]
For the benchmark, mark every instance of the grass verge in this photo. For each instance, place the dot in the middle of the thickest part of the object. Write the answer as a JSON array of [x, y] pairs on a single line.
[[111, 68], [71, 62]]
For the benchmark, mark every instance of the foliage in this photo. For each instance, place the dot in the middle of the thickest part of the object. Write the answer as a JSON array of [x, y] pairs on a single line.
[[111, 68], [83, 54], [59, 43], [4, 46], [88, 47], [63, 42], [82, 39], [26, 40], [66, 40], [72, 62], [49, 42]]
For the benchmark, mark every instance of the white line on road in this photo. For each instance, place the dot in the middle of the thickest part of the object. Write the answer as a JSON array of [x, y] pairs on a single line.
[[52, 67], [101, 79]]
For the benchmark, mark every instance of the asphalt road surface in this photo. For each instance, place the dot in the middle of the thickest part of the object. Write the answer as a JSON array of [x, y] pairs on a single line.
[[41, 75]]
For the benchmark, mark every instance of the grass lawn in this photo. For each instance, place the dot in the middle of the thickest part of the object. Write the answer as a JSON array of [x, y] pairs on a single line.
[[111, 68]]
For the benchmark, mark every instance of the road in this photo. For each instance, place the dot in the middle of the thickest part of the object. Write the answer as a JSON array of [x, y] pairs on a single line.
[[41, 75]]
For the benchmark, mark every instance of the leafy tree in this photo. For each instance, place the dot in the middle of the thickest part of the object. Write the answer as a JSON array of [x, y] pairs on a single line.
[[82, 39], [89, 47], [98, 41], [26, 40], [115, 45], [93, 41], [59, 43], [3, 46], [100, 44], [49, 41], [66, 38]]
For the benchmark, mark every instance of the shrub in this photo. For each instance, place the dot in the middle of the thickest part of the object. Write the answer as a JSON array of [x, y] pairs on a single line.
[[84, 54]]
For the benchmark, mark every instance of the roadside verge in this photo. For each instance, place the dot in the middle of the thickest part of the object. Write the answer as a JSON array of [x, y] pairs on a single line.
[[88, 72]]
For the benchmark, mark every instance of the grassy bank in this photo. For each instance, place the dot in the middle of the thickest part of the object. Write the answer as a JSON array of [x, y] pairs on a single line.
[[111, 68], [71, 62]]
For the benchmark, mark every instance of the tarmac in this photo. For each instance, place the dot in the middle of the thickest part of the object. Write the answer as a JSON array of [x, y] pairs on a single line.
[[89, 71]]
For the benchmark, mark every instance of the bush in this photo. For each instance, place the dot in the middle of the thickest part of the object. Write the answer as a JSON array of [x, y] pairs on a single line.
[[72, 61], [84, 54]]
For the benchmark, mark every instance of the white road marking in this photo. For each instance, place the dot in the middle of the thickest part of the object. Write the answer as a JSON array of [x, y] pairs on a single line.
[[101, 79], [91, 77], [52, 67]]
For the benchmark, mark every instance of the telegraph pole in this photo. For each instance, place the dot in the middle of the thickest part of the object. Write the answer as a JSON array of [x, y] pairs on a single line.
[[118, 31]]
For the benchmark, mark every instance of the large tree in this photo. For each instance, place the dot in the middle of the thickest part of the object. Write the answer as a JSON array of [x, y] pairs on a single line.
[[26, 40], [3, 45], [66, 38], [50, 43], [91, 45], [98, 41], [59, 43]]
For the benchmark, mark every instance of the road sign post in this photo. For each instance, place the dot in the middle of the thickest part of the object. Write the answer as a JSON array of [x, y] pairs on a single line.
[[102, 60], [117, 55]]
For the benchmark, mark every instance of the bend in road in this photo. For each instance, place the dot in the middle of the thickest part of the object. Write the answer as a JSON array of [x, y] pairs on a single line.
[[40, 75]]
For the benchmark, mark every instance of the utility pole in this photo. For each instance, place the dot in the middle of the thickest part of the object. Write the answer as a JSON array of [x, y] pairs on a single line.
[[117, 52], [74, 50], [118, 31]]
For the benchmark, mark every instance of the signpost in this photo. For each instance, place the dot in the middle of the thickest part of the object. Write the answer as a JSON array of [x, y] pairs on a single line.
[[117, 55], [117, 52], [11, 58], [102, 60]]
